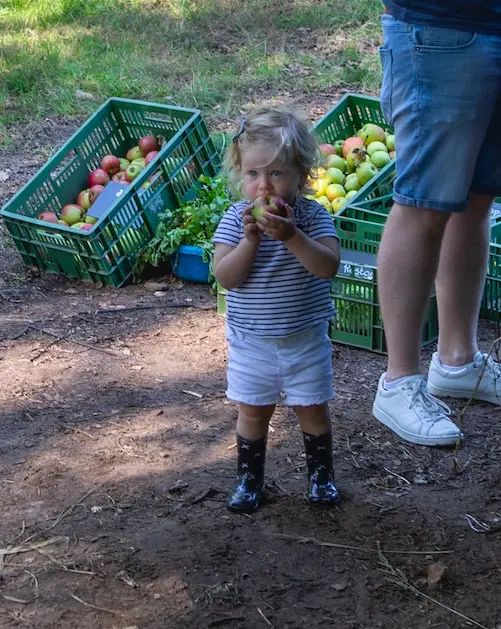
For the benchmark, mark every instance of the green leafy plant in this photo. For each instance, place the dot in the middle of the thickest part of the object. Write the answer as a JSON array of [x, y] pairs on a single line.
[[194, 223]]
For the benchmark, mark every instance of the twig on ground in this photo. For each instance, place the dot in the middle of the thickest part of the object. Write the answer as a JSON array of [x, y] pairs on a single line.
[[67, 511], [101, 609], [56, 340], [70, 340], [467, 405], [397, 475], [264, 617], [26, 548], [224, 619], [163, 306], [63, 567], [312, 540], [397, 577]]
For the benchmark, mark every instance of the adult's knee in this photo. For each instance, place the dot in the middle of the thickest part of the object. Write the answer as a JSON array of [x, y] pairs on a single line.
[[421, 219]]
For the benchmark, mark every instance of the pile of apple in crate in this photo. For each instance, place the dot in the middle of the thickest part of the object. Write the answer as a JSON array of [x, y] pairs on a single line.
[[113, 168]]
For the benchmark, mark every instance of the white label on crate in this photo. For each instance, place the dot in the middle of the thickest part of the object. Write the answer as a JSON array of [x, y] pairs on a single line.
[[355, 270]]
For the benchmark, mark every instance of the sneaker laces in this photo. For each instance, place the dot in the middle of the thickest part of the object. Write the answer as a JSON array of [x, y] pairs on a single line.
[[491, 366], [421, 398]]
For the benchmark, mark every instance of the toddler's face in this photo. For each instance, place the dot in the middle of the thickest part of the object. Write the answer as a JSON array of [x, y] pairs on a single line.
[[265, 175]]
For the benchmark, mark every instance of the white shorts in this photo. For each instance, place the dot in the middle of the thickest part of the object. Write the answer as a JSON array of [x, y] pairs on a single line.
[[295, 370]]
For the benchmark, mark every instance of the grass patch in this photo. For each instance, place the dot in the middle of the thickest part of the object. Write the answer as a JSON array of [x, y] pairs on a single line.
[[218, 55]]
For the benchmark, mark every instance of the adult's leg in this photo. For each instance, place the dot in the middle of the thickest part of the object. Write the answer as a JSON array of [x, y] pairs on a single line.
[[407, 263], [460, 280], [439, 91]]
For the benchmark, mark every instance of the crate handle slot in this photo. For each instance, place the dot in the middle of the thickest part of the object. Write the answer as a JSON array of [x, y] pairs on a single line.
[[60, 170]]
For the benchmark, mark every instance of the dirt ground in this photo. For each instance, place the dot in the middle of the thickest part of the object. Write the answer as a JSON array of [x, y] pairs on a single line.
[[116, 455]]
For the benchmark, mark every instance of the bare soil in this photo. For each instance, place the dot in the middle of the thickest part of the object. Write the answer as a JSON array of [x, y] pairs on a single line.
[[116, 457]]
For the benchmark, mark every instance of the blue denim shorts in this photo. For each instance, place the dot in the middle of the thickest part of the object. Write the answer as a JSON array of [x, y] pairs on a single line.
[[442, 94], [296, 370]]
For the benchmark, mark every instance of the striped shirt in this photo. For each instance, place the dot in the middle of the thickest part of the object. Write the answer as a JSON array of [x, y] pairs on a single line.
[[280, 297]]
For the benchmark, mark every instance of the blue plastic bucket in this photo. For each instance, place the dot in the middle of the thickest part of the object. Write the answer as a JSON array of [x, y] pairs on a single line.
[[188, 264]]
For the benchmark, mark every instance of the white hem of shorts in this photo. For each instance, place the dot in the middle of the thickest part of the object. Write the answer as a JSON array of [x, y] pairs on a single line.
[[262, 401]]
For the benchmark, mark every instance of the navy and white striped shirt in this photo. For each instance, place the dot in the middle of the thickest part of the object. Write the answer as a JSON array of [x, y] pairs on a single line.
[[280, 297]]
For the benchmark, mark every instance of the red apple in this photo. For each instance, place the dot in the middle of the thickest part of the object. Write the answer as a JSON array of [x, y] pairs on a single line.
[[86, 227], [98, 176], [110, 164], [48, 217], [352, 143], [118, 176], [133, 153], [150, 157], [72, 213], [94, 192], [147, 144], [328, 149], [83, 199]]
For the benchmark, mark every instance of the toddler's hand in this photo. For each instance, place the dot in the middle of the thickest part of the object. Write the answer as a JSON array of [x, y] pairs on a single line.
[[250, 226], [277, 227]]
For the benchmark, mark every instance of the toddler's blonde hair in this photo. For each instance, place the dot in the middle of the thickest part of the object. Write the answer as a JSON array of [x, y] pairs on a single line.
[[282, 128]]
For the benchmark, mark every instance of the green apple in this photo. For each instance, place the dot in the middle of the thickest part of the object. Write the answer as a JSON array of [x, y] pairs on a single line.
[[380, 159], [334, 175], [338, 203], [352, 184], [371, 133], [351, 194], [355, 157], [376, 146], [335, 161], [323, 200], [334, 191], [366, 172], [338, 145], [390, 142]]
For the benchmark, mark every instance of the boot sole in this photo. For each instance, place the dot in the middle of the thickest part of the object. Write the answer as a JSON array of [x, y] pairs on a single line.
[[463, 395], [419, 440]]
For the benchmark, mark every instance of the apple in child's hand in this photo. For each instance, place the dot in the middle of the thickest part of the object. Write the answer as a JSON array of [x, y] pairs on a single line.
[[98, 176], [272, 204], [110, 164]]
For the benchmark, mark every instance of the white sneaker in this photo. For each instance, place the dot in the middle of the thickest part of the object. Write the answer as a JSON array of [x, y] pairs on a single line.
[[462, 383], [414, 414]]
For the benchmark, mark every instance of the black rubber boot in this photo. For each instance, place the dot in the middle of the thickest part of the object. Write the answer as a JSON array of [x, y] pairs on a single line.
[[321, 487], [250, 476]]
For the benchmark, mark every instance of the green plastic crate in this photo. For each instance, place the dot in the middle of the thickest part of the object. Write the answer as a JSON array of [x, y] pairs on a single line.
[[106, 254], [358, 321], [490, 308], [351, 113]]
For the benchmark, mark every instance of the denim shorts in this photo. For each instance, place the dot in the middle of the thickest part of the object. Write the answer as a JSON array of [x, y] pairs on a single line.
[[295, 370], [442, 94]]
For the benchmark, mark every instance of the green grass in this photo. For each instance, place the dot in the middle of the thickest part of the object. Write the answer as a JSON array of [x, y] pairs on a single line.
[[218, 55]]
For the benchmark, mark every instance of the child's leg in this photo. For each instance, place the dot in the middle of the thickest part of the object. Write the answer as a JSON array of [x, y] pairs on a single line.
[[316, 426], [252, 431]]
